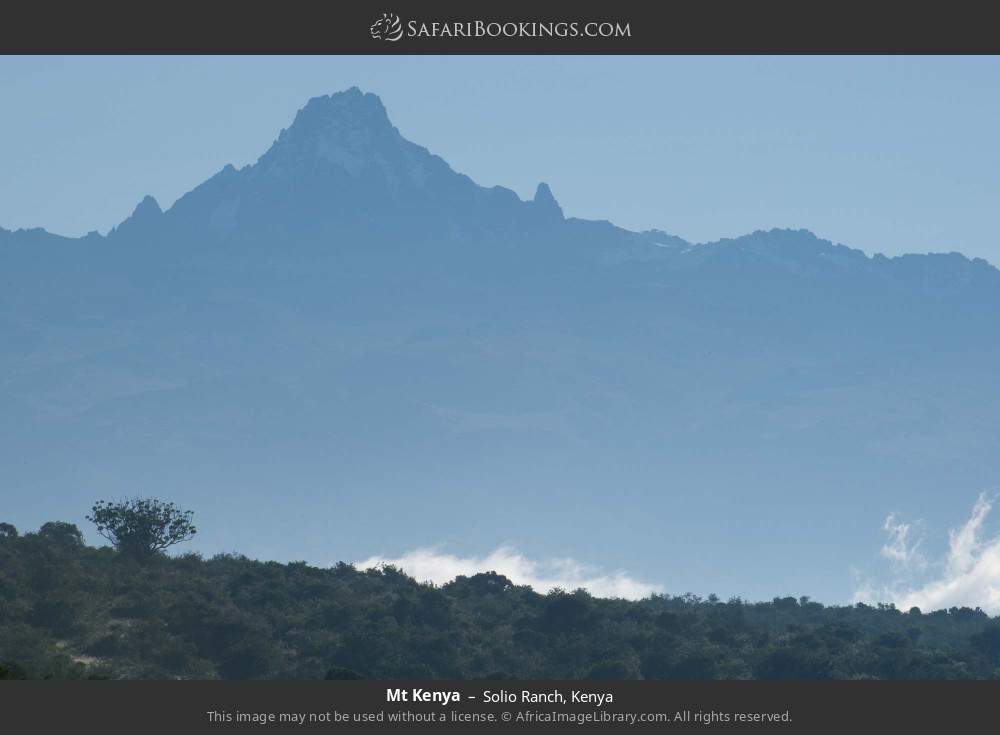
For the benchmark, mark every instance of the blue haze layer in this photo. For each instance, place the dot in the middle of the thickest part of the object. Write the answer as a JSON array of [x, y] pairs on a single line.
[[348, 347]]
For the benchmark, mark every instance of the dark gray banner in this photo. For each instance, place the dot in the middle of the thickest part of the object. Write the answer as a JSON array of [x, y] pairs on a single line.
[[451, 27], [200, 707]]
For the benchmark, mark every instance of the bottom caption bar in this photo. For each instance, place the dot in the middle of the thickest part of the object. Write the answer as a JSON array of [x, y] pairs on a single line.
[[204, 706]]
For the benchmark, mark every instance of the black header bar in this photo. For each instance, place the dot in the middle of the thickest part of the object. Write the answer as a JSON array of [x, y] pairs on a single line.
[[450, 27]]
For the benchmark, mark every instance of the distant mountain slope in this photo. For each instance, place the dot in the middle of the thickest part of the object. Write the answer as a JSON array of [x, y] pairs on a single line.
[[352, 348]]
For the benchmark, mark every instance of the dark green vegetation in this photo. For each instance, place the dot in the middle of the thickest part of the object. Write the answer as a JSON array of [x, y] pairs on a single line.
[[70, 610]]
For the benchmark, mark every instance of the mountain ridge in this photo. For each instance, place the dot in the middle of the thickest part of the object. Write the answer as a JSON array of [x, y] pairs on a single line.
[[359, 125]]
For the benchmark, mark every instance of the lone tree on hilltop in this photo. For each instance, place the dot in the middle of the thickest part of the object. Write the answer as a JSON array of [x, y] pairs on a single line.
[[142, 527]]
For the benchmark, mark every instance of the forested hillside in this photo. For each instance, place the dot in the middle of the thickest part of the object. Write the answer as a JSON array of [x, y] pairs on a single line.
[[71, 610]]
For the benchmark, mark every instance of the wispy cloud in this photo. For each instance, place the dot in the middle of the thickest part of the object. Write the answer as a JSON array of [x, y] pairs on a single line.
[[968, 575], [431, 565], [903, 546]]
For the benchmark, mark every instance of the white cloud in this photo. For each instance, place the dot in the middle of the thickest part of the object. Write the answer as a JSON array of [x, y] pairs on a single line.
[[968, 575], [903, 548], [431, 565]]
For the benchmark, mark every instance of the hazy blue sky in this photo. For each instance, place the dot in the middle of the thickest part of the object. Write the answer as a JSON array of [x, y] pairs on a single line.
[[887, 154]]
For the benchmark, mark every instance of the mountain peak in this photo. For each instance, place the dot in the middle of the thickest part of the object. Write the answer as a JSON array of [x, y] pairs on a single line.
[[351, 104], [143, 218], [340, 116], [349, 129], [546, 202], [147, 207]]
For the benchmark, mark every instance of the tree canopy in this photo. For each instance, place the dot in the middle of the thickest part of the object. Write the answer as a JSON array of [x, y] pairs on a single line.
[[142, 527]]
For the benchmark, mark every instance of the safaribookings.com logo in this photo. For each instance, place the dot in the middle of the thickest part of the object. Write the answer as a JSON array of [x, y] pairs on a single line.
[[390, 28], [387, 28]]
